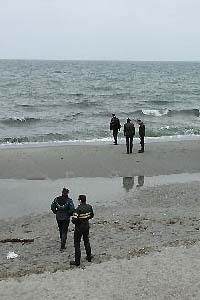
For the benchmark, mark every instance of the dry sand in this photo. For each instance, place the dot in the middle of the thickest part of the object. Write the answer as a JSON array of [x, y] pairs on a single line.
[[145, 246]]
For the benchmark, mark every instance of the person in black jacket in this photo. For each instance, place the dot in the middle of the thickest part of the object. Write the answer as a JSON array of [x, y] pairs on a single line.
[[141, 134], [129, 132], [115, 127], [80, 218], [63, 208]]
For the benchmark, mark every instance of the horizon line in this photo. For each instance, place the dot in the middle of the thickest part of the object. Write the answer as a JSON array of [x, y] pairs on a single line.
[[96, 60]]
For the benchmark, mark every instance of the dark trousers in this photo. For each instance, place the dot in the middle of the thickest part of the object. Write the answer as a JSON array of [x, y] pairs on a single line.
[[142, 143], [63, 229], [115, 133], [129, 144], [81, 231]]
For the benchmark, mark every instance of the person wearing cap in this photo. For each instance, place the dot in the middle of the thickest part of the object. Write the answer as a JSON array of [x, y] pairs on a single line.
[[129, 132], [115, 127], [141, 135], [81, 216], [63, 207]]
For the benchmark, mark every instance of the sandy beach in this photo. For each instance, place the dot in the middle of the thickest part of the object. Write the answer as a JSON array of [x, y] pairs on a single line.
[[144, 237], [101, 160]]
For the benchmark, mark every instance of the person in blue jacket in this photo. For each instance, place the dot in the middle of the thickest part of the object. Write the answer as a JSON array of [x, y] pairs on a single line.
[[63, 208]]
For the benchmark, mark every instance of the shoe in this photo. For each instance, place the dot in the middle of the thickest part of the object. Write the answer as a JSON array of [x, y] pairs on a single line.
[[73, 263], [140, 151], [89, 259], [62, 248], [127, 152]]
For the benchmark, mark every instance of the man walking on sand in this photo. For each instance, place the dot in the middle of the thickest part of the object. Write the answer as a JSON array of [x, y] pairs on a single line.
[[141, 134], [63, 208], [129, 132], [115, 127], [82, 214]]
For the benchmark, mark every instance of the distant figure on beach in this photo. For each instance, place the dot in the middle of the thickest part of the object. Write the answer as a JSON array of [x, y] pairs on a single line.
[[129, 132], [115, 127], [80, 218], [141, 134], [63, 208]]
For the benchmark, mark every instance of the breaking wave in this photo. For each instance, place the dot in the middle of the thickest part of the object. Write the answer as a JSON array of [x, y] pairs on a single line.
[[170, 112], [18, 121], [50, 137]]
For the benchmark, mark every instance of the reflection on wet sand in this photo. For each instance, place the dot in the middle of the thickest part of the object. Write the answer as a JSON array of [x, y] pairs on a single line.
[[128, 182], [35, 195], [140, 181]]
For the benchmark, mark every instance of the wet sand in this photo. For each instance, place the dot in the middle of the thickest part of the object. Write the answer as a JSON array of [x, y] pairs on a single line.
[[145, 237], [99, 161]]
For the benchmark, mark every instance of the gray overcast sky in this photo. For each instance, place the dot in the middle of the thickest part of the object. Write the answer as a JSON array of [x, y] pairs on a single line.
[[100, 29]]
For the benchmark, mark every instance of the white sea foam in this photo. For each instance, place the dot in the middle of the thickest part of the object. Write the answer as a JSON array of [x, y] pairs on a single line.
[[155, 112]]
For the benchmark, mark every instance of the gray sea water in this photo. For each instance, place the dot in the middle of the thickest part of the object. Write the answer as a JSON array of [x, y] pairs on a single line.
[[62, 101]]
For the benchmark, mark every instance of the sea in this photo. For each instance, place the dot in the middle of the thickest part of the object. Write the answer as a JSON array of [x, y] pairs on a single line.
[[54, 102]]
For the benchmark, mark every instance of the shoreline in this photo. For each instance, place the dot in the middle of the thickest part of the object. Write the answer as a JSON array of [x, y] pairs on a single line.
[[99, 142]]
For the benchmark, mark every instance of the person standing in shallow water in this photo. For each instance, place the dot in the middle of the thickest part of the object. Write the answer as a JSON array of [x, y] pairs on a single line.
[[129, 132], [63, 208], [115, 127], [141, 134], [82, 214]]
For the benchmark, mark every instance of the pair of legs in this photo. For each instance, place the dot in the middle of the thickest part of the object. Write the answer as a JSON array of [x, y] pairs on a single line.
[[142, 144], [115, 133], [81, 231], [129, 144], [63, 229]]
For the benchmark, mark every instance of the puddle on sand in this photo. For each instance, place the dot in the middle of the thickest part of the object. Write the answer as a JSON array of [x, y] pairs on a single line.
[[23, 197], [138, 181]]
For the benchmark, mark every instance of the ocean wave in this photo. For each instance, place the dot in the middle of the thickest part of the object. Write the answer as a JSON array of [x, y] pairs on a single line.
[[169, 112], [172, 131], [50, 137], [195, 92], [75, 94], [104, 114], [188, 112], [18, 121], [25, 105], [154, 112], [160, 102], [71, 117], [122, 95], [85, 103], [102, 88]]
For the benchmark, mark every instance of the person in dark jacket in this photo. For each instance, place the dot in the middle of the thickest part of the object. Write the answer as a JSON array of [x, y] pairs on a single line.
[[141, 134], [63, 208], [82, 214], [129, 132], [115, 127]]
